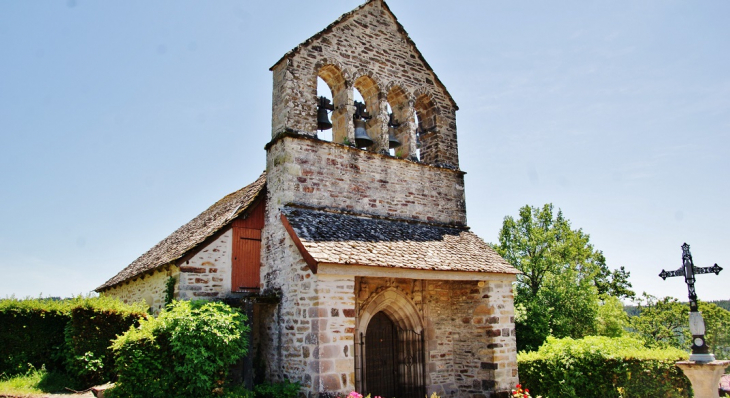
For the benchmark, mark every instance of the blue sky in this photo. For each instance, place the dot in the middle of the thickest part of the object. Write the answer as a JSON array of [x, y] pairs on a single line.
[[121, 121]]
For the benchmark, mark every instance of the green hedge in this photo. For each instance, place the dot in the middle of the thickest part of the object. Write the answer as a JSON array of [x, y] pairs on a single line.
[[31, 334], [70, 335], [92, 326], [185, 352], [602, 367]]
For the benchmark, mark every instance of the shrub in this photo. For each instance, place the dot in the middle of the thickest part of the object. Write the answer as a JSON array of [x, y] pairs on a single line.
[[603, 367], [70, 335], [285, 389], [185, 352], [93, 324], [31, 334]]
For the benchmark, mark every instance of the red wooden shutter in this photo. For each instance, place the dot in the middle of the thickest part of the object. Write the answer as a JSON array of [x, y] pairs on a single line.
[[247, 250]]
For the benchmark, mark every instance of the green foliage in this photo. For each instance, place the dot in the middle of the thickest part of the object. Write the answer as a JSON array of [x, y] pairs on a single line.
[[564, 278], [285, 389], [724, 304], [598, 366], [611, 319], [184, 352], [32, 332], [34, 381], [88, 334], [665, 323], [169, 290]]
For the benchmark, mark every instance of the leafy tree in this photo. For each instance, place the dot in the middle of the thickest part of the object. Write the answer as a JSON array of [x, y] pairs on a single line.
[[611, 320], [665, 323], [563, 276]]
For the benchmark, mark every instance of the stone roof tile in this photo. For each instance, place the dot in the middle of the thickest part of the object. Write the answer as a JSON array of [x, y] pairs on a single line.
[[339, 238]]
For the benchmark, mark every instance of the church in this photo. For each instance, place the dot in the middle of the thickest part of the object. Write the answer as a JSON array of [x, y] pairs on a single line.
[[351, 253]]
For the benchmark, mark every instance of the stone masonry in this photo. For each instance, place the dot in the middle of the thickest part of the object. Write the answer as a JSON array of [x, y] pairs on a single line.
[[367, 50], [207, 274], [149, 288], [315, 303]]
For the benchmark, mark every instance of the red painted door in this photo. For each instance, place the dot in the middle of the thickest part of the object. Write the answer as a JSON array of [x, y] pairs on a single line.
[[247, 250]]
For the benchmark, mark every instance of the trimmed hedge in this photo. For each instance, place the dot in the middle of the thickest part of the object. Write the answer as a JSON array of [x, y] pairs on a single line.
[[602, 367], [31, 334], [185, 352], [71, 335], [92, 326]]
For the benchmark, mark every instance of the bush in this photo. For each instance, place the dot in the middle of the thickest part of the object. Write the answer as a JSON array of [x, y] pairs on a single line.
[[31, 334], [603, 367], [70, 335], [185, 352], [285, 389], [93, 324]]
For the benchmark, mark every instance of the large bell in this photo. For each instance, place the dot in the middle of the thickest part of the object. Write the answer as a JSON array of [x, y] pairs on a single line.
[[323, 121], [362, 139], [392, 140]]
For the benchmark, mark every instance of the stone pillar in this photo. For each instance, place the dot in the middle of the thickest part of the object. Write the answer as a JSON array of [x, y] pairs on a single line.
[[704, 376]]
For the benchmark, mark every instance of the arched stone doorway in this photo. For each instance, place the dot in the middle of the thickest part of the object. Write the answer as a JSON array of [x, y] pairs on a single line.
[[380, 348], [391, 348]]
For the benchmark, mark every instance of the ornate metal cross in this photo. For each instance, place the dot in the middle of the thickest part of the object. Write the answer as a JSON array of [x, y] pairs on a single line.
[[700, 351]]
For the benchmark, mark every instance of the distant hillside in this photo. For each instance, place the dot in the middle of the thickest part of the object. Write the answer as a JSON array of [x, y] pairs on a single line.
[[633, 310]]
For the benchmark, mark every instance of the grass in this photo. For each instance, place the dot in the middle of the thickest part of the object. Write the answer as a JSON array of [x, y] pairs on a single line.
[[34, 382]]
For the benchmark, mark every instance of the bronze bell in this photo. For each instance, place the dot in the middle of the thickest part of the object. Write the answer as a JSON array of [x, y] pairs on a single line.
[[362, 139], [392, 140], [323, 121]]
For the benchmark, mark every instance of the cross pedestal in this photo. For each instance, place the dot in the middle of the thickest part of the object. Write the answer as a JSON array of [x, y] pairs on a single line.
[[704, 376]]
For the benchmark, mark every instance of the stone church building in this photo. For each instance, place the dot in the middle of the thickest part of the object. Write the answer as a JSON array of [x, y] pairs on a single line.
[[352, 255]]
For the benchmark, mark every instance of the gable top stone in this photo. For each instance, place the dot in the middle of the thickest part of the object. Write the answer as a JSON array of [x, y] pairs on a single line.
[[353, 15], [193, 234]]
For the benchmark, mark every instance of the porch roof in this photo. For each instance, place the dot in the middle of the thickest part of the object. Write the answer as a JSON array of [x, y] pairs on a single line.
[[338, 238]]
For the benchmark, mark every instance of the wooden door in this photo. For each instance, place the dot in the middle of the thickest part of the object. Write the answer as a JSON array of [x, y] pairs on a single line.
[[246, 258]]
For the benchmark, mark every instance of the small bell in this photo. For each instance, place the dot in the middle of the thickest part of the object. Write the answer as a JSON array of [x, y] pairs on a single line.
[[323, 121]]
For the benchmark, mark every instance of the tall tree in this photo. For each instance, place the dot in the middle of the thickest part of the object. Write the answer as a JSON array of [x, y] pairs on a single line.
[[563, 276]]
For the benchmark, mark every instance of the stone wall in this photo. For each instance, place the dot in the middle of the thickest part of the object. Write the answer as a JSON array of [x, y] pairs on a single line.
[[367, 51], [469, 329], [207, 274], [324, 174], [472, 346], [147, 288]]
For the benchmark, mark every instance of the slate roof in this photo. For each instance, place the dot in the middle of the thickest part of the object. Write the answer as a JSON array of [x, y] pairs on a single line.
[[330, 237], [192, 234], [400, 27]]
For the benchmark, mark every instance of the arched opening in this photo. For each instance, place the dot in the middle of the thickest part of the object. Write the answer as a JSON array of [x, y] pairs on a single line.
[[323, 110], [330, 77], [401, 122], [426, 132], [391, 348], [366, 93]]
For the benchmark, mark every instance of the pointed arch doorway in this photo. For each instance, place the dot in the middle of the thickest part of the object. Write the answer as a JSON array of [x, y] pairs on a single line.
[[392, 360]]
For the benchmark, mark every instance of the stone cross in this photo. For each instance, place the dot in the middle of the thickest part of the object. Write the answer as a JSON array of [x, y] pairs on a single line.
[[700, 351]]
